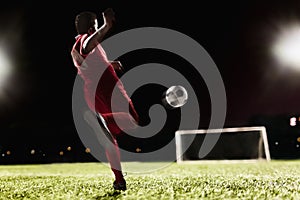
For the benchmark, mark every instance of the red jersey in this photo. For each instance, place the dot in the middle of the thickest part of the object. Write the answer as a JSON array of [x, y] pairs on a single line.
[[100, 79]]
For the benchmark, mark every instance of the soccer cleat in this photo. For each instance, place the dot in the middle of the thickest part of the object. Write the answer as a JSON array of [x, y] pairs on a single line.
[[120, 185]]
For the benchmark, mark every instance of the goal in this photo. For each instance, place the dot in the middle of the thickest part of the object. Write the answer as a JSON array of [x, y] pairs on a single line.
[[227, 144]]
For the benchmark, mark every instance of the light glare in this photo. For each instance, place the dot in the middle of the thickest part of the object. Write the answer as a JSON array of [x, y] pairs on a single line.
[[287, 47], [5, 67], [293, 121]]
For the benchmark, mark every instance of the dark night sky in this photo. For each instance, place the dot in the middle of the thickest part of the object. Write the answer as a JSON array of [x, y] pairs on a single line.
[[236, 34]]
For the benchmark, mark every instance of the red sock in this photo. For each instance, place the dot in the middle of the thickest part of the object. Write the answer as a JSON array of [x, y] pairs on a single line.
[[118, 175]]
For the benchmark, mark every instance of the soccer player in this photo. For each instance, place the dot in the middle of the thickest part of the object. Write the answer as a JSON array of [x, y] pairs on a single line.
[[91, 61]]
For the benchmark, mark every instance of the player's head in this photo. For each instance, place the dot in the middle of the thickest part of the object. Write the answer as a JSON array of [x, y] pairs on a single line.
[[86, 22]]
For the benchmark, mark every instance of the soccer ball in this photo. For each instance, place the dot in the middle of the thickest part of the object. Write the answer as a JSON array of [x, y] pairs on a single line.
[[175, 97]]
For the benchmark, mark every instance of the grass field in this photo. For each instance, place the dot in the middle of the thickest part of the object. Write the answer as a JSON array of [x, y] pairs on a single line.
[[261, 180]]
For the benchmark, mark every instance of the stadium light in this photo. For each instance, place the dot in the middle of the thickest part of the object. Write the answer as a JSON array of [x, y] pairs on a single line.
[[5, 68], [32, 152], [286, 48], [87, 150], [293, 121]]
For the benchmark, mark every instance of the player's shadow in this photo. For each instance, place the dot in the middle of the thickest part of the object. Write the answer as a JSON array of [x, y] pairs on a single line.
[[116, 194]]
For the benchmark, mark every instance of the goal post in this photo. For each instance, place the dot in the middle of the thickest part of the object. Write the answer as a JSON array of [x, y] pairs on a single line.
[[229, 144]]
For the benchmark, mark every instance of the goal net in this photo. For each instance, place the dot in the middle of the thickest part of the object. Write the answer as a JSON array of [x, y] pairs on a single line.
[[229, 144]]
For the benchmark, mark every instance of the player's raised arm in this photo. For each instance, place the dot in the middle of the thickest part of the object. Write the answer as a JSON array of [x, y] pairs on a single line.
[[97, 35]]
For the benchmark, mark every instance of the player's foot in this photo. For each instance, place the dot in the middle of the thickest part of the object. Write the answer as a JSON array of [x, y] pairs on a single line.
[[121, 185]]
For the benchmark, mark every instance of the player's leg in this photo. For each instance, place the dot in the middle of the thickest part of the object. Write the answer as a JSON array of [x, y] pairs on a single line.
[[113, 156], [103, 136], [133, 112], [106, 139], [119, 121]]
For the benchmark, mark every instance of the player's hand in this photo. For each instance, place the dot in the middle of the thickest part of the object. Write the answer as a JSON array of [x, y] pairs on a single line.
[[117, 66], [109, 17]]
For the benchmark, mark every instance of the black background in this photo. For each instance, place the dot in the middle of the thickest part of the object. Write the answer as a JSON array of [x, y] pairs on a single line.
[[37, 107]]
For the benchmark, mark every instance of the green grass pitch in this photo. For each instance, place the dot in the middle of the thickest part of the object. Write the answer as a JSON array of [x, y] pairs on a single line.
[[260, 180]]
